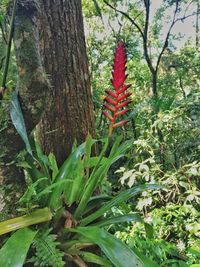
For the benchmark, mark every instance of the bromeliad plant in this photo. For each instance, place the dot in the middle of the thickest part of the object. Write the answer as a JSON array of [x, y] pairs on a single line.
[[117, 99], [65, 199]]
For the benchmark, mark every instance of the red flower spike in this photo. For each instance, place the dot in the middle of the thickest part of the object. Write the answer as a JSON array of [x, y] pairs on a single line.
[[123, 104], [109, 107], [122, 112], [118, 94], [122, 97], [113, 94], [120, 123], [123, 89], [110, 101], [107, 115]]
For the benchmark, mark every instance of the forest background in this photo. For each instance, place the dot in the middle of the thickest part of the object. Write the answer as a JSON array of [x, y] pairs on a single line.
[[163, 66]]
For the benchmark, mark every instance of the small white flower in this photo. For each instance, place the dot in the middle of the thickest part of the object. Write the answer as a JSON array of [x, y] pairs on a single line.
[[181, 245]]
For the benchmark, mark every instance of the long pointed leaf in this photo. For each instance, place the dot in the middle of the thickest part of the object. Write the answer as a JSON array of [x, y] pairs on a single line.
[[18, 121], [95, 202], [119, 219], [53, 165], [13, 253], [115, 145], [68, 166], [114, 249], [123, 196], [79, 181], [120, 149], [95, 179]]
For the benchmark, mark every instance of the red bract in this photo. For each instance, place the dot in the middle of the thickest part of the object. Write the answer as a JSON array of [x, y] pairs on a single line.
[[117, 98]]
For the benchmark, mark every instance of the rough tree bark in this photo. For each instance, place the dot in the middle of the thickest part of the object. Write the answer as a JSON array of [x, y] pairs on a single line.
[[69, 114], [32, 85]]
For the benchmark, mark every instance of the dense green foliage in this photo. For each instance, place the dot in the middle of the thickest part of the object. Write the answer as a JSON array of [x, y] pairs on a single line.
[[173, 160], [160, 227]]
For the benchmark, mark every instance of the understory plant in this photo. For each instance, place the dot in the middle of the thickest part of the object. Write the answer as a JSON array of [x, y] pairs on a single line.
[[65, 218], [174, 214]]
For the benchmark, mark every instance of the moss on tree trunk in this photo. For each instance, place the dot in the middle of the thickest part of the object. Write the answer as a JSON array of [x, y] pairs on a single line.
[[32, 86]]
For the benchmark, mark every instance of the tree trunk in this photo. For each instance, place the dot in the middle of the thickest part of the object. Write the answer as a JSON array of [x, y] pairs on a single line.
[[197, 24], [69, 115], [154, 75], [32, 87]]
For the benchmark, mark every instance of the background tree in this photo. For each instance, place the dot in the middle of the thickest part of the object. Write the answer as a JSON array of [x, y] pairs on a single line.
[[59, 46], [69, 113], [171, 237], [52, 75], [178, 119]]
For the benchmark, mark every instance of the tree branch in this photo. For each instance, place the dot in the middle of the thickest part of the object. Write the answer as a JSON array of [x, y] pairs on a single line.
[[167, 36], [144, 34], [188, 6], [174, 21], [146, 27], [185, 17], [145, 39], [127, 16]]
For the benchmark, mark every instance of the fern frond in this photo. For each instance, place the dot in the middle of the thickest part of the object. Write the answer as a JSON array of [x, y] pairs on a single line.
[[47, 253]]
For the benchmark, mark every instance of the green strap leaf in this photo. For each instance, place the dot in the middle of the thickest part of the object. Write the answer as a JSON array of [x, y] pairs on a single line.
[[194, 251], [13, 253], [37, 216], [96, 201], [53, 165], [114, 249], [95, 179], [119, 219], [79, 181], [123, 196], [68, 166], [18, 121]]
